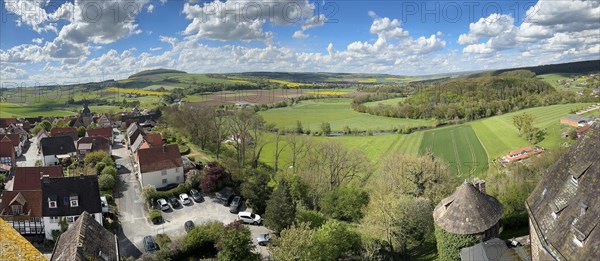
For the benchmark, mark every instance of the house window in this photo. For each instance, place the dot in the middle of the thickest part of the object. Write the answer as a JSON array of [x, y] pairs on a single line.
[[52, 204], [17, 209], [35, 219], [177, 170], [177, 178], [74, 200], [574, 180], [74, 203], [70, 219], [163, 172], [53, 219], [164, 181]]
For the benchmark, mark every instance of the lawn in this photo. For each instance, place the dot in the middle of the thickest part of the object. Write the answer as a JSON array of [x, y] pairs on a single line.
[[552, 79], [338, 113], [499, 136], [459, 147], [135, 91], [392, 102], [156, 87]]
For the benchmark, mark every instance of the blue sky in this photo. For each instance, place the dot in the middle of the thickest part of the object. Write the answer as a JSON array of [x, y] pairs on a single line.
[[89, 40]]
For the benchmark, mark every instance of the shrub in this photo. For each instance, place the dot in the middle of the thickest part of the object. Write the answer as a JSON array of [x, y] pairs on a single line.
[[155, 216], [151, 194], [345, 204], [184, 150], [109, 170], [203, 238], [163, 240], [106, 182], [313, 218], [214, 178]]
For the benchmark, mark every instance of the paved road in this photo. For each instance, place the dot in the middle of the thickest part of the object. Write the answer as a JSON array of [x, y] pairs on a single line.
[[30, 156]]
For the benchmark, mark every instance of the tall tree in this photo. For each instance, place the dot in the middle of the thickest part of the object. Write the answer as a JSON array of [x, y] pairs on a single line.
[[298, 145], [220, 130], [240, 124], [281, 208], [294, 243], [255, 188], [278, 150], [236, 243]]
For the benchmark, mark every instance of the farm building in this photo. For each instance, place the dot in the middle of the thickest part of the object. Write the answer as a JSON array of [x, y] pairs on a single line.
[[564, 207], [468, 213], [577, 121], [520, 154]]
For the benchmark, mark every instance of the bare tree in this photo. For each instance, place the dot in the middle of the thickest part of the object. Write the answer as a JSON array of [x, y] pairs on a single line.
[[278, 149], [221, 128], [298, 145]]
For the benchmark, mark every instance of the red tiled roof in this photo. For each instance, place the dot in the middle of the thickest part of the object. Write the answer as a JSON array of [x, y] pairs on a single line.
[[29, 178], [154, 139], [5, 122], [583, 129], [95, 143], [159, 158], [57, 131], [33, 201], [102, 132], [6, 150], [517, 151], [14, 138]]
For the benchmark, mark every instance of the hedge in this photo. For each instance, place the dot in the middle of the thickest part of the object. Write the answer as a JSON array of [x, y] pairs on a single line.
[[155, 216], [184, 150], [183, 187]]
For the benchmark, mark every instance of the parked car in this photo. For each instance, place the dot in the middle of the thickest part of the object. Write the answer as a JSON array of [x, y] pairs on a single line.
[[167, 187], [225, 196], [249, 218], [196, 195], [174, 202], [185, 199], [149, 244], [199, 164], [163, 204], [104, 204], [234, 207], [263, 239], [189, 225]]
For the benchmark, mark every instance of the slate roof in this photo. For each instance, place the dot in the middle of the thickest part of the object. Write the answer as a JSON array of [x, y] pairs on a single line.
[[102, 132], [22, 248], [94, 143], [85, 187], [159, 158], [29, 178], [494, 249], [565, 205], [57, 145], [32, 200], [467, 211], [86, 239]]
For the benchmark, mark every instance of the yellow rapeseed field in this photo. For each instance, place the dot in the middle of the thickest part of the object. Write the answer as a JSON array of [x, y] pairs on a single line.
[[289, 84], [135, 91]]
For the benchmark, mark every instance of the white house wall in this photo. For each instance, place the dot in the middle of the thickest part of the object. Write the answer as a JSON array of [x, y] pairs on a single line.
[[174, 175]]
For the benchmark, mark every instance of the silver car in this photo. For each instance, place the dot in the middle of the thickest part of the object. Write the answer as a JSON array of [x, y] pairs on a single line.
[[185, 199], [163, 204]]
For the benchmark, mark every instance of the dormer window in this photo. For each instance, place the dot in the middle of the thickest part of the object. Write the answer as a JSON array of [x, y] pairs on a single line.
[[52, 201], [17, 209], [582, 209], [74, 200], [574, 180]]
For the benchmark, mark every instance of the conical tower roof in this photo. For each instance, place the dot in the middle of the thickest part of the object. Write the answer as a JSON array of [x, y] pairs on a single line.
[[467, 211]]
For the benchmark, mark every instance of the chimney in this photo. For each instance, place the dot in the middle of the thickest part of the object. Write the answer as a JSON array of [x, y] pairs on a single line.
[[480, 185]]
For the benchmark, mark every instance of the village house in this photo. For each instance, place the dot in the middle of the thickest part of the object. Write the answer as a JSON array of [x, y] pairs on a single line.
[[70, 132], [8, 157], [91, 144], [160, 166], [86, 240], [104, 121], [576, 120], [148, 140], [22, 207], [520, 154], [55, 148], [17, 142], [106, 132], [563, 208], [40, 135], [84, 119], [5, 122], [133, 131], [66, 198]]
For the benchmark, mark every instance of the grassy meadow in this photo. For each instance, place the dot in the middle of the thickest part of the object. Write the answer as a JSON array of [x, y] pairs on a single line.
[[392, 102], [337, 112]]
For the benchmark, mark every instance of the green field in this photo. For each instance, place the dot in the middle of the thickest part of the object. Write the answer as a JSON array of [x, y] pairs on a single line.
[[10, 110], [499, 136], [392, 102], [459, 147], [156, 87], [552, 79], [337, 112], [374, 147]]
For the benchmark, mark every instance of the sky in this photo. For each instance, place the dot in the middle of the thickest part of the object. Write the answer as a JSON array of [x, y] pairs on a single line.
[[69, 41]]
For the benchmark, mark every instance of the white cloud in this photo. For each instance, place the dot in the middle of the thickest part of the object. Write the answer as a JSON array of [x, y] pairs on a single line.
[[155, 49], [150, 8], [245, 19], [299, 35], [31, 13], [37, 40]]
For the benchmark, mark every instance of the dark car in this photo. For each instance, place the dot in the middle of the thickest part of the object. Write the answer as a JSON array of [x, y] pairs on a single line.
[[234, 207], [167, 187], [199, 164], [149, 244], [196, 195], [174, 202], [189, 225]]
